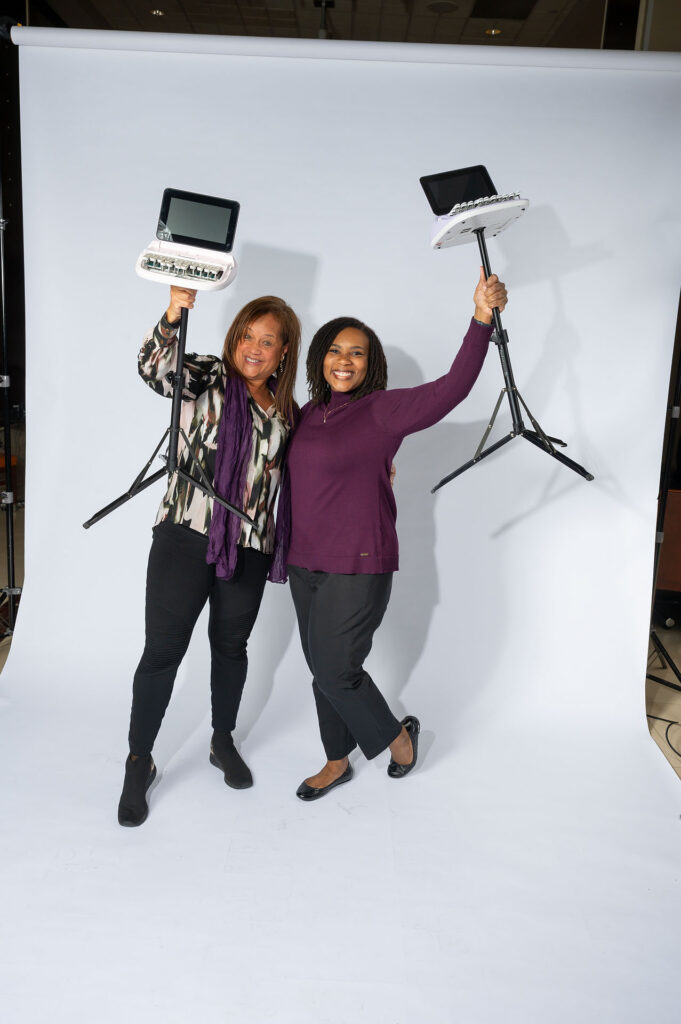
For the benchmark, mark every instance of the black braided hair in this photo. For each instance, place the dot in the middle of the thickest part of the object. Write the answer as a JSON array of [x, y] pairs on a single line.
[[377, 368]]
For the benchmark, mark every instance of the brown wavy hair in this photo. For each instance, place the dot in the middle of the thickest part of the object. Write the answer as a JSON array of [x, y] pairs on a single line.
[[290, 332]]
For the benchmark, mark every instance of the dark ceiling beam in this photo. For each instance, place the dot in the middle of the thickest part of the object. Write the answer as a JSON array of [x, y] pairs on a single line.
[[75, 13], [43, 14], [581, 28], [621, 23]]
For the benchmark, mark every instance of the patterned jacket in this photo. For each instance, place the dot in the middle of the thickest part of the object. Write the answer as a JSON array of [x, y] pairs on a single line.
[[202, 404]]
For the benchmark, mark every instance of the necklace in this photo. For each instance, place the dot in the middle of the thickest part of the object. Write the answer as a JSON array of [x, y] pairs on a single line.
[[329, 412]]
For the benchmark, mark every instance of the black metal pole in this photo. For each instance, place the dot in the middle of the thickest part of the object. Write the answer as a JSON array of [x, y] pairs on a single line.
[[501, 340], [178, 381], [8, 494]]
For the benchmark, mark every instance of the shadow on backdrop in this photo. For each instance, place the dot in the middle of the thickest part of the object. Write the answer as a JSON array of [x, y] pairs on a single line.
[[554, 372], [416, 587]]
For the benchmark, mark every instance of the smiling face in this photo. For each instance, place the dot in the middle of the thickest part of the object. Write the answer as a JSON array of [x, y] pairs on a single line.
[[346, 362], [260, 349]]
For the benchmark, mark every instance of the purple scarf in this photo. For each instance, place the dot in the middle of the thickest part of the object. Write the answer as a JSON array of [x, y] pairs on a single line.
[[235, 441]]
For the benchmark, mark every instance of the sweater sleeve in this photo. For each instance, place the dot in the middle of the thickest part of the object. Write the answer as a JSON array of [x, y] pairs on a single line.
[[158, 356], [406, 410]]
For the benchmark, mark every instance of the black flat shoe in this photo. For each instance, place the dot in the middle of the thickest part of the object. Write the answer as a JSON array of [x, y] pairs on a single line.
[[413, 727], [139, 775], [306, 792], [225, 756]]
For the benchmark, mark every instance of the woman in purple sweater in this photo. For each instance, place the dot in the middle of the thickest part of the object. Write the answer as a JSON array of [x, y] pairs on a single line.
[[344, 548]]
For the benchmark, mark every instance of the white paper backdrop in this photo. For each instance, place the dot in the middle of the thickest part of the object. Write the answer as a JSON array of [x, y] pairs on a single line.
[[518, 626]]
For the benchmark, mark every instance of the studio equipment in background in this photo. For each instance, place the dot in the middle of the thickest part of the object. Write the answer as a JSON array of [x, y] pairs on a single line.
[[192, 249], [466, 206], [323, 32], [7, 497], [667, 483]]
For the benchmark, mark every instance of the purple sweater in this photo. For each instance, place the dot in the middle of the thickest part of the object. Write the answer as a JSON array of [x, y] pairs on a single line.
[[343, 509]]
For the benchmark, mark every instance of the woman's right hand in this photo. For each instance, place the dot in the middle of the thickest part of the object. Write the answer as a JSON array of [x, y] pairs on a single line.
[[490, 292], [180, 298]]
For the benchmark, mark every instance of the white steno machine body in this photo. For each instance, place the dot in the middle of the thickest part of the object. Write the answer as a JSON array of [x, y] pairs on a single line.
[[193, 244], [494, 214], [186, 266]]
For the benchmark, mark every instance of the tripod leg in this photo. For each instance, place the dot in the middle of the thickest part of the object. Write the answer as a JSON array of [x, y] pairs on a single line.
[[138, 484], [535, 424], [663, 682], [490, 424], [123, 498], [205, 485], [554, 440], [472, 462], [666, 657], [173, 432], [135, 485], [557, 440], [216, 497], [531, 436]]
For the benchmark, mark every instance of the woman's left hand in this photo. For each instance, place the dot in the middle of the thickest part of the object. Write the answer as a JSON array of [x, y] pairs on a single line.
[[489, 293]]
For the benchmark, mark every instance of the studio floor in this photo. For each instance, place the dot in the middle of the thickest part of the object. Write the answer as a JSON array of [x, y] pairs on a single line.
[[513, 877]]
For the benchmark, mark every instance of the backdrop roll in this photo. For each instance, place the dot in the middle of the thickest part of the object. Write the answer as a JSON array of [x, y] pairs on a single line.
[[519, 621]]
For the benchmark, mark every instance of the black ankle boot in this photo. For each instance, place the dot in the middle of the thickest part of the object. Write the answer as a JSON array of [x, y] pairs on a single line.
[[139, 775], [225, 756]]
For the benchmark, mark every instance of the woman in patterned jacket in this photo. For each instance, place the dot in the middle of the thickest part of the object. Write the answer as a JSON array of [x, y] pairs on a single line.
[[237, 413]]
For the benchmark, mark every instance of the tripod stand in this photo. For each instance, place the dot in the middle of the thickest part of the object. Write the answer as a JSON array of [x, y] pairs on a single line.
[[173, 433], [665, 476], [515, 400]]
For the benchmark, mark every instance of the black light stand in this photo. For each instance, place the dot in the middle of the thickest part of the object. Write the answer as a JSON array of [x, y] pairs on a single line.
[[11, 175], [323, 32], [7, 496], [675, 411], [173, 433], [515, 400]]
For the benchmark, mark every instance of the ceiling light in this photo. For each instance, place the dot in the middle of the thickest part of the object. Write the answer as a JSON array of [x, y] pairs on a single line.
[[492, 31], [157, 13]]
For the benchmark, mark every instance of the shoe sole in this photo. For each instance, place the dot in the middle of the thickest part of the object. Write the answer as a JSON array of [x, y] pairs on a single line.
[[136, 824], [214, 761]]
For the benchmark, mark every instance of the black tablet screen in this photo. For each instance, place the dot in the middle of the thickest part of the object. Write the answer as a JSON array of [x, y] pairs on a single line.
[[193, 219], [445, 190]]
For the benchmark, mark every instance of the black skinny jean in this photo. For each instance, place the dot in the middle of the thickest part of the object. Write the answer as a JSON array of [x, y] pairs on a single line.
[[338, 615], [179, 582]]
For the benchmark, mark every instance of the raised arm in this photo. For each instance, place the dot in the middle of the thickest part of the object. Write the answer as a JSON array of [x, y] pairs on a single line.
[[158, 355], [406, 410]]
